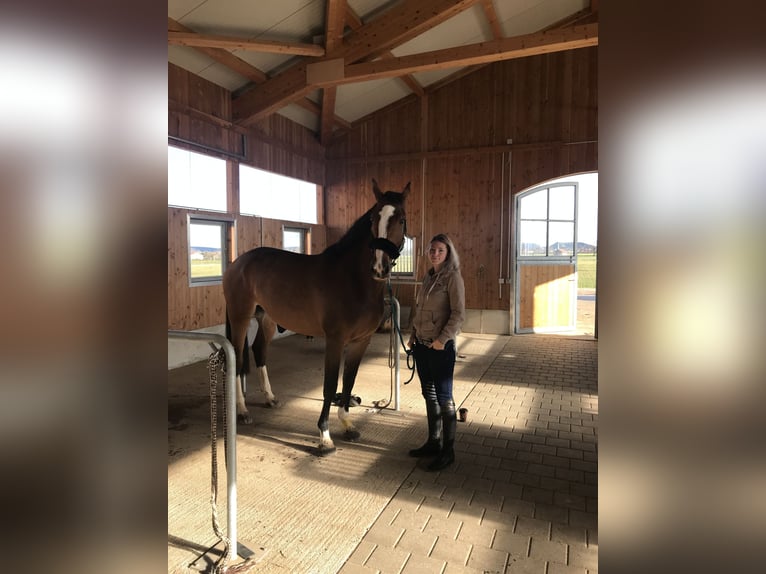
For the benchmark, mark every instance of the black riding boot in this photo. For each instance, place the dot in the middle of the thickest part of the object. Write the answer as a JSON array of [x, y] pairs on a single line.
[[433, 445], [447, 454]]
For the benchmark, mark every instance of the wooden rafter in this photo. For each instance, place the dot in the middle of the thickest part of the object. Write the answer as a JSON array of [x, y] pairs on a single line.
[[481, 53], [334, 24], [223, 57], [194, 39], [584, 16], [355, 22], [491, 15], [247, 70], [403, 22]]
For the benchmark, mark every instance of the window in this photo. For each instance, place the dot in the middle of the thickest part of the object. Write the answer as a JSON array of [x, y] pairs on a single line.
[[196, 180], [405, 264], [547, 222], [275, 196], [294, 239], [208, 250]]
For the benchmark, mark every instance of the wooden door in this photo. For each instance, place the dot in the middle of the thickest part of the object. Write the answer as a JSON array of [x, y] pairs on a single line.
[[546, 259]]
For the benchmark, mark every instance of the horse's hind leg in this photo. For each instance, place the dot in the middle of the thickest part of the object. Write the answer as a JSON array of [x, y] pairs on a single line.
[[266, 328], [239, 311], [354, 353], [239, 327]]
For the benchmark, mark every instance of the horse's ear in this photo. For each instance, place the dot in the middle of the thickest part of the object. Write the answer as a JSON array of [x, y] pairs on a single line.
[[406, 190], [376, 190]]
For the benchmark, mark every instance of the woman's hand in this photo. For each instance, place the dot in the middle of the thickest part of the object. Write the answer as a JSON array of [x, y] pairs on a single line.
[[411, 342], [438, 345]]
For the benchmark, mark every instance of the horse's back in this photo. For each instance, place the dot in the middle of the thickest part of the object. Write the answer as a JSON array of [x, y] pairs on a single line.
[[283, 283]]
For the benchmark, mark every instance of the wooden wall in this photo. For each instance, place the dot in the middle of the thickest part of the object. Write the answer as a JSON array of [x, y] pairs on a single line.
[[451, 145], [200, 112]]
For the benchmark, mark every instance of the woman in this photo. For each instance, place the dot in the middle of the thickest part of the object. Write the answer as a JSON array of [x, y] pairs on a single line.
[[439, 313]]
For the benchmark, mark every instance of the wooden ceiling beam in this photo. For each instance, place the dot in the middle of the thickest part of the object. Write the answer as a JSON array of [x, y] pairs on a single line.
[[581, 17], [355, 22], [401, 23], [223, 57], [335, 18], [247, 70], [473, 54], [489, 12], [194, 40]]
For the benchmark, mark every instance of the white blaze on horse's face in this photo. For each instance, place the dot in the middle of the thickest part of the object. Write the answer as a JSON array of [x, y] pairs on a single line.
[[382, 266]]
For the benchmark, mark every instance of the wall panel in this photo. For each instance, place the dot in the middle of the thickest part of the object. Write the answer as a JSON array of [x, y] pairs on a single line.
[[457, 141], [199, 112]]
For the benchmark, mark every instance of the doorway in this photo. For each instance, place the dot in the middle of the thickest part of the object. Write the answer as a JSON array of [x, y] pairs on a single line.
[[555, 256]]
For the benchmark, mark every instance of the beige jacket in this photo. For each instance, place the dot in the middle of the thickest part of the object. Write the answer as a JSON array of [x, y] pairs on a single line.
[[440, 306]]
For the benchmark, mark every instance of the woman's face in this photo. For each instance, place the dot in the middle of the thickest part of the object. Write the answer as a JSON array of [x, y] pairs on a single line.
[[437, 253]]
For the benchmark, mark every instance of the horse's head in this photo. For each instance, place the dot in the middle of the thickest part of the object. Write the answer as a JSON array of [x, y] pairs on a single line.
[[389, 227]]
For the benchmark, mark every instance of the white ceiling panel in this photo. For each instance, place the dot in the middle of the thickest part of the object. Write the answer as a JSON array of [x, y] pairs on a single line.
[[531, 16], [301, 116], [465, 28], [263, 19], [189, 59], [354, 101]]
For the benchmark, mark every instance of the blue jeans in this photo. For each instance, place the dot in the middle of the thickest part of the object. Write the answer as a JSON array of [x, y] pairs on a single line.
[[435, 370]]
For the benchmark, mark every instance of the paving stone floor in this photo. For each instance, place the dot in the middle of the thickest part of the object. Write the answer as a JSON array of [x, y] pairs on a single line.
[[523, 493]]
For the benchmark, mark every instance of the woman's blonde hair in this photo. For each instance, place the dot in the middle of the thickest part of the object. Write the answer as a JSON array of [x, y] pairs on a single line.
[[453, 259]]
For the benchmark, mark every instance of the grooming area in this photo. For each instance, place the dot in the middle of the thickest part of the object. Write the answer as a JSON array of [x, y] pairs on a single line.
[[293, 124], [522, 493]]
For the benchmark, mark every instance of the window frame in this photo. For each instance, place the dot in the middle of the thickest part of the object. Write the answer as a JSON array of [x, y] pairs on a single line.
[[265, 213], [228, 233], [409, 274], [224, 184], [305, 234]]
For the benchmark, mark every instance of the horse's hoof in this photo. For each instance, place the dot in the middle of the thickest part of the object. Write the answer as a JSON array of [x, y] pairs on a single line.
[[274, 404], [352, 435], [245, 419], [325, 450]]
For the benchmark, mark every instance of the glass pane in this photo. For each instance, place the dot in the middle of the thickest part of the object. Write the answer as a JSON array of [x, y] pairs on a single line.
[[292, 240], [562, 202], [561, 238], [275, 196], [196, 180], [534, 206], [532, 238], [206, 249], [405, 264]]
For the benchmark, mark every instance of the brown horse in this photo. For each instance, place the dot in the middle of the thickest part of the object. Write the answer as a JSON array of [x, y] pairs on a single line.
[[337, 294]]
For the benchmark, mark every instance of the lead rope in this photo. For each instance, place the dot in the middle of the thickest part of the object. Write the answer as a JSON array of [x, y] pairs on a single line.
[[216, 361]]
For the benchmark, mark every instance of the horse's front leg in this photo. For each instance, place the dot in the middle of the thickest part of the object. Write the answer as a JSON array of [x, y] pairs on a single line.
[[332, 356], [354, 353]]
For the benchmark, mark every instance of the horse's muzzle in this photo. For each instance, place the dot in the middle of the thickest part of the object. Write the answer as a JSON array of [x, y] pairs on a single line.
[[381, 270]]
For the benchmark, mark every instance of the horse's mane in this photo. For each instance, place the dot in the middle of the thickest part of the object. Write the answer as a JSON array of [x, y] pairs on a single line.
[[361, 227]]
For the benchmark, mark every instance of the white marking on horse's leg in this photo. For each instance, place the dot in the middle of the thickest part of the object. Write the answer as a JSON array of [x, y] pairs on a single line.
[[343, 415], [351, 433], [385, 214], [241, 408], [325, 442], [263, 379]]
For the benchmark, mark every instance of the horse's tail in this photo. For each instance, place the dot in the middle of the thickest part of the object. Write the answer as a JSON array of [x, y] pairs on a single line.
[[245, 369]]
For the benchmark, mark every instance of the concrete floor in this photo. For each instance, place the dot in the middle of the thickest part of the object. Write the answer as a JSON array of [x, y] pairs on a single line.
[[521, 497]]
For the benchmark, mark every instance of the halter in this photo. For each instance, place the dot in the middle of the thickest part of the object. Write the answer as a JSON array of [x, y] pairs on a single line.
[[388, 246]]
